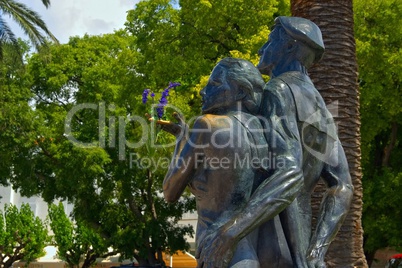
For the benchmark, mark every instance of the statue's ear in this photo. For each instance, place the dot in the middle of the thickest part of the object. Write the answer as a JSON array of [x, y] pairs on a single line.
[[241, 94], [291, 46]]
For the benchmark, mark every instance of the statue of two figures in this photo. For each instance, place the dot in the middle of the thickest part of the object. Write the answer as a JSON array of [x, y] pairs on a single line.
[[255, 155]]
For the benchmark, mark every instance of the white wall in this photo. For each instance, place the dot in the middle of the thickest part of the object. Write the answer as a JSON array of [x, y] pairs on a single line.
[[38, 205]]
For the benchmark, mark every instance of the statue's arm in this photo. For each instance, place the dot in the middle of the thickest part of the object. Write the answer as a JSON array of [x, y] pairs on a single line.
[[335, 204], [270, 198], [184, 161]]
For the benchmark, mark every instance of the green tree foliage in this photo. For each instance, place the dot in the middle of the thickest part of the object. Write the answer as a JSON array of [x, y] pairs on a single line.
[[22, 235], [92, 143], [96, 163], [76, 242], [186, 42], [17, 127], [379, 38], [29, 21]]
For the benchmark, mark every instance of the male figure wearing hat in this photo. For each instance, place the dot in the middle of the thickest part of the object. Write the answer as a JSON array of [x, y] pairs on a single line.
[[292, 105]]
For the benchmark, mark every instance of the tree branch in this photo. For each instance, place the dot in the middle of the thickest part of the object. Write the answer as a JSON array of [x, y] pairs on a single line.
[[134, 208], [390, 146]]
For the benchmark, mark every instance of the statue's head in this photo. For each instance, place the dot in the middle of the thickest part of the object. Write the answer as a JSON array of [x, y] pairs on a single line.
[[291, 39], [232, 81]]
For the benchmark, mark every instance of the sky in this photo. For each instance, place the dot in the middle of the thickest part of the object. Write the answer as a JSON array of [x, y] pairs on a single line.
[[65, 18]]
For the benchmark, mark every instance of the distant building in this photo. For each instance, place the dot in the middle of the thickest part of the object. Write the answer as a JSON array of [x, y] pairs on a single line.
[[190, 218], [37, 204]]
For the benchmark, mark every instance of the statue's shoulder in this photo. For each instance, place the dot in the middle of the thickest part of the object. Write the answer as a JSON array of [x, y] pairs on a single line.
[[247, 120], [208, 121], [297, 81], [301, 89], [202, 121], [276, 86], [277, 94], [310, 106]]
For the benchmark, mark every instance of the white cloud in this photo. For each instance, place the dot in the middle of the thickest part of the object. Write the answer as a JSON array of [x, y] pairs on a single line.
[[67, 18]]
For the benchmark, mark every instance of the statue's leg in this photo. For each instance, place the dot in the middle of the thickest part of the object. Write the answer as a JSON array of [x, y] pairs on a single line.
[[296, 224], [272, 246], [335, 204], [246, 254], [246, 264], [296, 218]]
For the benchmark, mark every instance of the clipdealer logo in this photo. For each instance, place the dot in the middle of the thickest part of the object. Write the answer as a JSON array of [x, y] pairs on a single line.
[[112, 134]]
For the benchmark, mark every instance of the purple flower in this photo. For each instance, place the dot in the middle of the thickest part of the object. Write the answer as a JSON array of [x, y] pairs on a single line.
[[173, 84], [145, 96], [162, 102], [164, 96], [160, 111]]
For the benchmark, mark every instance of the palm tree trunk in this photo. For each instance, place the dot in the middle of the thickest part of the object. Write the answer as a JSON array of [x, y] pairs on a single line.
[[335, 76]]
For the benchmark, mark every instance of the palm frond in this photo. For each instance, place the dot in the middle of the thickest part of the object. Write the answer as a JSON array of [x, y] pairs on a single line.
[[7, 37], [29, 21], [46, 3]]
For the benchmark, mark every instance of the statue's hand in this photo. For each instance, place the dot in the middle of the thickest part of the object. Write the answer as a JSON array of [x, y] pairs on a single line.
[[215, 250], [177, 129], [315, 259]]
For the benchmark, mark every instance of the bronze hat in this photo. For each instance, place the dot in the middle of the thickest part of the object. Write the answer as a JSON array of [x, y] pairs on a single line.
[[305, 31]]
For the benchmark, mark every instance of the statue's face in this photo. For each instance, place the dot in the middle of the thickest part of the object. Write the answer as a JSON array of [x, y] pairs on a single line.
[[217, 94], [272, 52]]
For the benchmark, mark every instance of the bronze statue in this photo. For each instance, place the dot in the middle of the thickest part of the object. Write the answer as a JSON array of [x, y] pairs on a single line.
[[292, 105], [236, 206]]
